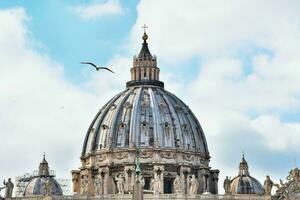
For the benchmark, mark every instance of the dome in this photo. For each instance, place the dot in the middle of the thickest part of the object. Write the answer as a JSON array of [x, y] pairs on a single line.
[[38, 186], [143, 130], [145, 116], [244, 183], [44, 183]]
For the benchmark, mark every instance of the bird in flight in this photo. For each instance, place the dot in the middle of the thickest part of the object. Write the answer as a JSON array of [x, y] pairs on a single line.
[[96, 67]]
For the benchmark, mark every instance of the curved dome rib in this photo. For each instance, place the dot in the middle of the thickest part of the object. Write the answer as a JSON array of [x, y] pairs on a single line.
[[200, 132], [147, 116], [101, 112]]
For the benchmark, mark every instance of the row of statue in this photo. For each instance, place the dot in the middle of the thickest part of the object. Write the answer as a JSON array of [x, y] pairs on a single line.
[[8, 186], [155, 184]]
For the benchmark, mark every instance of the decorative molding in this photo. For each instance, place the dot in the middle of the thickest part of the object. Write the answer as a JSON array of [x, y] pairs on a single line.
[[146, 154], [168, 155], [120, 155]]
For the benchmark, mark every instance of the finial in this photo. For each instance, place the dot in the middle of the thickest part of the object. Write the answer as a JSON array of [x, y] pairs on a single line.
[[144, 27], [44, 155], [145, 36], [243, 155]]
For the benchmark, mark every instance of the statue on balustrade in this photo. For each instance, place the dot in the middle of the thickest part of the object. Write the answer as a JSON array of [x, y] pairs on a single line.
[[98, 184], [155, 184], [120, 183], [193, 185], [9, 186], [177, 184], [268, 184], [227, 185]]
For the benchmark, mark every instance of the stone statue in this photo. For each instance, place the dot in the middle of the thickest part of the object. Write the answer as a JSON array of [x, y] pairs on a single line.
[[268, 184], [76, 183], [138, 188], [120, 183], [290, 189], [9, 186], [177, 184], [193, 185], [227, 185], [84, 184], [98, 184], [155, 184]]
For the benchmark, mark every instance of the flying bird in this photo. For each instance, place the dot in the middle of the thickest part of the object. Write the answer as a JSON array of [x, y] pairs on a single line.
[[96, 67]]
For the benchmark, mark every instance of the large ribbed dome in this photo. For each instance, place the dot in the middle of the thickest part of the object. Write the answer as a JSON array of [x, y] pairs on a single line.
[[146, 130], [146, 116]]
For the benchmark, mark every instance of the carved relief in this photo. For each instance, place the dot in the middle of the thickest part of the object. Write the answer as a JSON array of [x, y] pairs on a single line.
[[188, 157], [100, 158], [168, 155], [120, 156], [146, 154]]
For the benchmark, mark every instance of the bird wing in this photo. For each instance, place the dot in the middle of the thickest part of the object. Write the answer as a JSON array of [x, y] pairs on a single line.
[[106, 69], [89, 63]]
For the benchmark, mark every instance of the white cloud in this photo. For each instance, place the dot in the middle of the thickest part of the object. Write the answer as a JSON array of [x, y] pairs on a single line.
[[235, 99], [39, 108], [278, 135], [249, 75], [98, 9]]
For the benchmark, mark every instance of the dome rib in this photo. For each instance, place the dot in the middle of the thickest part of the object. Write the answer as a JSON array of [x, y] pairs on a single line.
[[132, 138], [155, 118], [114, 126], [101, 117], [199, 131], [96, 118], [172, 115]]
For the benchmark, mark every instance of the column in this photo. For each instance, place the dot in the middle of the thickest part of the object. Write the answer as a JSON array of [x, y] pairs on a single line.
[[107, 187], [137, 71], [129, 178], [148, 73], [142, 73]]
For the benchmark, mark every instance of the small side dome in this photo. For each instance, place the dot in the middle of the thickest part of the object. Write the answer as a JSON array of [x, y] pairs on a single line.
[[40, 186], [244, 183], [44, 183]]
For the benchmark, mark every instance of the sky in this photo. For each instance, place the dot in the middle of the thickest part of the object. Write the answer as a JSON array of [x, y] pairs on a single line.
[[235, 63]]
